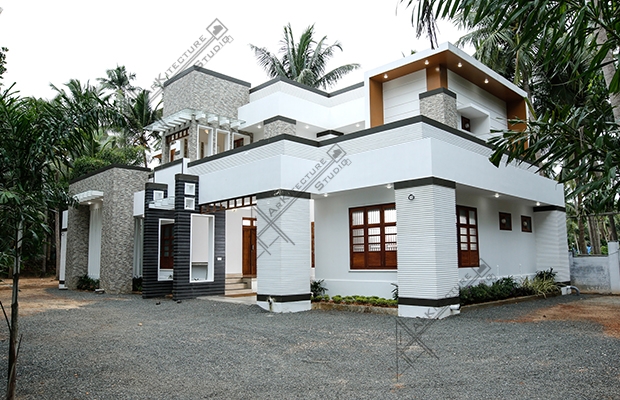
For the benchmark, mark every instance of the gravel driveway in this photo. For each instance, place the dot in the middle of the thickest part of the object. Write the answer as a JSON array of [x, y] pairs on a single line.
[[124, 347]]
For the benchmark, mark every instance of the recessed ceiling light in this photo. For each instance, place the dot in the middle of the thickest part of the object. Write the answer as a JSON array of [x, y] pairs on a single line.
[[460, 65], [537, 203], [307, 127], [496, 195], [258, 126], [325, 194], [389, 186], [385, 76], [486, 80], [426, 62], [357, 125]]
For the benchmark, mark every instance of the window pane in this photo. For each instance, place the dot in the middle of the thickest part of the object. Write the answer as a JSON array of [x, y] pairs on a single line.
[[472, 217], [374, 239], [462, 217], [374, 247], [463, 246], [390, 229], [358, 248], [463, 231], [463, 239], [473, 239], [374, 216], [358, 218], [390, 238], [358, 240], [390, 247], [472, 231], [358, 232], [390, 215], [474, 246], [374, 231]]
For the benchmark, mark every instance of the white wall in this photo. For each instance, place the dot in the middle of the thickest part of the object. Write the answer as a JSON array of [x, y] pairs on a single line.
[[138, 204], [331, 236], [166, 175], [401, 96], [506, 252], [234, 239], [468, 94]]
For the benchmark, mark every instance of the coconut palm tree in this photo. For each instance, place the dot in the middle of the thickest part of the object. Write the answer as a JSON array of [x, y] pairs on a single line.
[[304, 61]]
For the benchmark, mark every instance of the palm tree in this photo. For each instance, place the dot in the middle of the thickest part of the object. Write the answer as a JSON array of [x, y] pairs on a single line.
[[139, 115], [304, 61], [119, 81]]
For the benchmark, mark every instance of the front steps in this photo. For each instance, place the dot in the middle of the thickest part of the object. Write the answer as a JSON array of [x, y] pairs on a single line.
[[238, 286]]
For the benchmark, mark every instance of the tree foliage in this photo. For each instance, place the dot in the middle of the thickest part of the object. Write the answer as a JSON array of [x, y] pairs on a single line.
[[304, 61]]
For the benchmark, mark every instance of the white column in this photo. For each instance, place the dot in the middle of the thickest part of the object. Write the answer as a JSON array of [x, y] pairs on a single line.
[[551, 242], [427, 249], [283, 252], [614, 267], [94, 240]]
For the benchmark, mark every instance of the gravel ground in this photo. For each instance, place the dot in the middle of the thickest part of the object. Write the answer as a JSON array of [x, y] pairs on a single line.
[[124, 347]]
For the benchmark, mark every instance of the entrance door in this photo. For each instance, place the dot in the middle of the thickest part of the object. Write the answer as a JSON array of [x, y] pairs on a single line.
[[249, 247], [166, 258]]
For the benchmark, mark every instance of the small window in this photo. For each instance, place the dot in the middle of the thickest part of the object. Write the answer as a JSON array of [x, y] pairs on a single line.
[[158, 194], [505, 221], [190, 203], [526, 224], [465, 124], [190, 189]]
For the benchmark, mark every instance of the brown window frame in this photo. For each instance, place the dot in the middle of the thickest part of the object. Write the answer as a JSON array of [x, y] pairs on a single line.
[[467, 258], [375, 259]]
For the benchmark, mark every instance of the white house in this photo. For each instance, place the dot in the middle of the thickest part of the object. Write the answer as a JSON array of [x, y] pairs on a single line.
[[385, 182]]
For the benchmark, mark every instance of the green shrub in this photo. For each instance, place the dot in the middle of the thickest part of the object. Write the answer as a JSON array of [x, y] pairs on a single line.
[[87, 283], [317, 288], [337, 299]]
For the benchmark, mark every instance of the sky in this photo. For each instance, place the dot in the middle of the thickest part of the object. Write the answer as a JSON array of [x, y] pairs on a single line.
[[51, 42]]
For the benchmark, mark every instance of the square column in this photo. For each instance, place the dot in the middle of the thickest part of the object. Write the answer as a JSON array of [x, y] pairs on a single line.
[[551, 241], [283, 251], [428, 280]]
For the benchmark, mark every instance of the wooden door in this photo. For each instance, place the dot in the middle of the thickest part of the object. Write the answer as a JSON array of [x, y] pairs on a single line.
[[467, 231], [166, 256], [249, 247]]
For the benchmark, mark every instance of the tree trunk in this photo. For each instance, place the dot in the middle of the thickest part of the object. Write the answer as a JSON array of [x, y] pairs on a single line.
[[609, 69], [613, 233], [595, 237], [582, 237], [14, 331]]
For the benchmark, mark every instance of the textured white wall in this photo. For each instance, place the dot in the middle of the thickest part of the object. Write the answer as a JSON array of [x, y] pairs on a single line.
[[427, 257], [551, 243], [401, 96], [283, 266]]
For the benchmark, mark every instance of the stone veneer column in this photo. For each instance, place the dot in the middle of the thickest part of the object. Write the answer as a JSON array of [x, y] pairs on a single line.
[[77, 244], [428, 279], [279, 126], [440, 105], [549, 226], [283, 256]]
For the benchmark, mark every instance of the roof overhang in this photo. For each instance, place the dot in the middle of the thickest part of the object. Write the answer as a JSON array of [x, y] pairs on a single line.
[[88, 196], [188, 114], [457, 61]]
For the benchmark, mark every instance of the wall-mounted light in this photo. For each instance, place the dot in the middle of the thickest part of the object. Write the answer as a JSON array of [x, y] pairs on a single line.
[[426, 62], [411, 196]]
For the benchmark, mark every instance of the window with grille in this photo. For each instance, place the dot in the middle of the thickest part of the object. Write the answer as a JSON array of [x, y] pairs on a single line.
[[373, 237]]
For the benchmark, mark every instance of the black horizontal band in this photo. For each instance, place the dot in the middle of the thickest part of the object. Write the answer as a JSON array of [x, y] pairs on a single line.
[[283, 299], [412, 301]]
